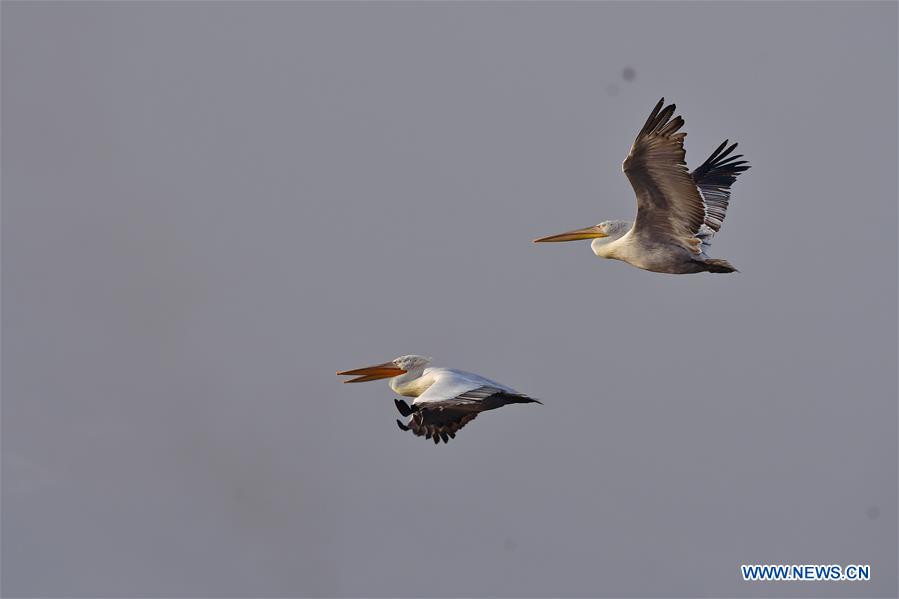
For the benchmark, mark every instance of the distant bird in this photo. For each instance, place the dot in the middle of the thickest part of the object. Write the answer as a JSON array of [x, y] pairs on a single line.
[[445, 399], [678, 212]]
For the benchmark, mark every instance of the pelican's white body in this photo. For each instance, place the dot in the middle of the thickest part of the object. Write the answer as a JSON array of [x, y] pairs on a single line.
[[433, 384], [624, 246]]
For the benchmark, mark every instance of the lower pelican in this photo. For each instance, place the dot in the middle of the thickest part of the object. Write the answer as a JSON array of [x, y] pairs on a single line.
[[445, 399]]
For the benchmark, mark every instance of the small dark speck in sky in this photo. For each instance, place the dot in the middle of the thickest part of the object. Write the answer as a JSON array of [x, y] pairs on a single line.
[[628, 73], [872, 512], [510, 544]]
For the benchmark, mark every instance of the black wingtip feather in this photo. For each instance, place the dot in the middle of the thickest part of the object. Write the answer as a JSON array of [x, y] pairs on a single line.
[[721, 168], [403, 407], [660, 122], [664, 116], [402, 426], [714, 178], [652, 116], [672, 126]]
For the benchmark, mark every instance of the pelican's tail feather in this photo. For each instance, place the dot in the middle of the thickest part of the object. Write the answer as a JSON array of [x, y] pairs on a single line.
[[718, 265], [500, 399], [522, 399]]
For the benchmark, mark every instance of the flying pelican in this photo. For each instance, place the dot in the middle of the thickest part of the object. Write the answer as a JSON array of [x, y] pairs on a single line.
[[678, 212], [445, 399]]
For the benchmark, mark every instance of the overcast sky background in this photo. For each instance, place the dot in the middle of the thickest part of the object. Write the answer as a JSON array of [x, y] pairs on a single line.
[[209, 208]]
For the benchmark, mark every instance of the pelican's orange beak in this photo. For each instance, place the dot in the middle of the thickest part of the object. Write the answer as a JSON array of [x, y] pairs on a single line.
[[372, 373], [593, 232]]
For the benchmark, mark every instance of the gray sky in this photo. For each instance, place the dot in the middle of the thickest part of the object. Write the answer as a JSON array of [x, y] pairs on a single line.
[[209, 208]]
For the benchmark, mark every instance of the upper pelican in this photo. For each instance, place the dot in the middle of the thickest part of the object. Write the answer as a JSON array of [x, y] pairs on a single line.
[[678, 212], [445, 399]]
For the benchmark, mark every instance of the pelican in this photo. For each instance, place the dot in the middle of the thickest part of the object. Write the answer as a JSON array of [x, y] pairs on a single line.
[[678, 212], [445, 399]]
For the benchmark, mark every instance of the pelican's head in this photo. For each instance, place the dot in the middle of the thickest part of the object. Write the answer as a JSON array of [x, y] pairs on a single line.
[[601, 234], [396, 367]]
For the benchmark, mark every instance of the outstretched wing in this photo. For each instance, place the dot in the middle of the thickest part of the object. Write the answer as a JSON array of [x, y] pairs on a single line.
[[714, 178], [452, 401], [669, 207], [448, 405], [437, 423]]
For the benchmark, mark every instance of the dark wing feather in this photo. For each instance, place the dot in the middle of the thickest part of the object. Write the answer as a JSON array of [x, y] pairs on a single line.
[[669, 207], [714, 178], [442, 419], [437, 423], [403, 407]]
